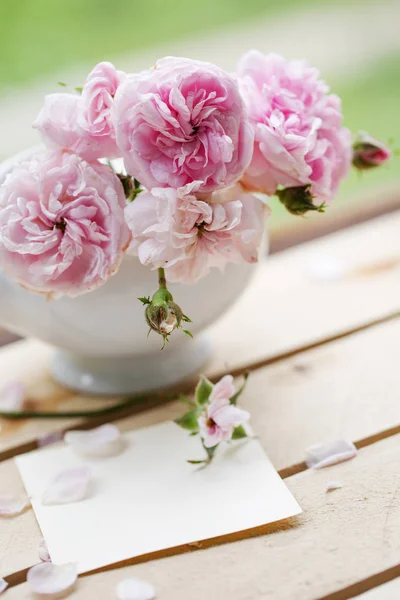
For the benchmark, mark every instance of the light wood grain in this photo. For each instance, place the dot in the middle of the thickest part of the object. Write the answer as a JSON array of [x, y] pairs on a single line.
[[284, 308], [288, 306], [341, 538], [20, 535], [28, 361], [388, 591], [347, 389]]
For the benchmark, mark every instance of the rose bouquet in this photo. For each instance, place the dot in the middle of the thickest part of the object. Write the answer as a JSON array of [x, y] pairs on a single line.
[[174, 166]]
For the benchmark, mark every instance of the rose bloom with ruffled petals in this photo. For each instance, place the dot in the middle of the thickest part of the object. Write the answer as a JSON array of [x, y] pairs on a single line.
[[220, 417], [82, 124], [183, 121], [299, 137], [62, 227], [186, 236]]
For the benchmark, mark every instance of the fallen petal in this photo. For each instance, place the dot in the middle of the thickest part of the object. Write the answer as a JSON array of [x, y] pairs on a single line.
[[11, 505], [333, 485], [3, 585], [71, 485], [50, 438], [49, 579], [100, 442], [43, 551], [12, 397], [135, 589], [331, 453]]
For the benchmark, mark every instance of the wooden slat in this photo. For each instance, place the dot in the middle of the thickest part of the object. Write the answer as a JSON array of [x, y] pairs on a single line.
[[287, 306], [341, 538], [283, 309], [347, 389], [28, 361], [388, 591]]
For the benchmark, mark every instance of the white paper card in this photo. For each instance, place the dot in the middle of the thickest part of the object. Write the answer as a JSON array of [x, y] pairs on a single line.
[[149, 498]]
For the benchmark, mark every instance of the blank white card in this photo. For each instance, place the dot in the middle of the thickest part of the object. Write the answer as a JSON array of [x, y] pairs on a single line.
[[149, 498]]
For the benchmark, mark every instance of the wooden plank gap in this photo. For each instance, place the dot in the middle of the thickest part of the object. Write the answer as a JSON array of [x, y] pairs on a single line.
[[159, 397], [276, 358], [365, 585]]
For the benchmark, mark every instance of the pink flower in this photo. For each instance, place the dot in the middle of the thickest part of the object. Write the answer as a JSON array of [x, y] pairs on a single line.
[[82, 124], [183, 121], [186, 236], [220, 417], [62, 228], [369, 152], [299, 138]]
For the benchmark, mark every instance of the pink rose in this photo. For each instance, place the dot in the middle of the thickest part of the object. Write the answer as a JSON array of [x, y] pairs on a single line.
[[220, 417], [368, 152], [186, 236], [180, 122], [299, 138], [62, 228], [82, 124]]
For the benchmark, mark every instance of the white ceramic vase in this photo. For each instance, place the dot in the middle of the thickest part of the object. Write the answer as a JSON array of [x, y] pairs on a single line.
[[100, 337]]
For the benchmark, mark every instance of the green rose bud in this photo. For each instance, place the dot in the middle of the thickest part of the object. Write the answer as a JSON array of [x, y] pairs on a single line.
[[299, 200]]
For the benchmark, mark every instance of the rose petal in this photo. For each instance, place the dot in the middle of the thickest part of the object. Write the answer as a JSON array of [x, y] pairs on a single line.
[[3, 585], [333, 485], [49, 579], [102, 441], [135, 589], [43, 551], [71, 485], [11, 505], [50, 438], [331, 453], [12, 396]]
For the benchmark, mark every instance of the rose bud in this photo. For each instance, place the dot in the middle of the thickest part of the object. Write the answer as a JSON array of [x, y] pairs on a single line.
[[369, 152], [162, 314], [299, 200]]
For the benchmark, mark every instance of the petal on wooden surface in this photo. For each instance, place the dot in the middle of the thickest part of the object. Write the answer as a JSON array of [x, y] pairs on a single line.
[[48, 579], [12, 504], [330, 453]]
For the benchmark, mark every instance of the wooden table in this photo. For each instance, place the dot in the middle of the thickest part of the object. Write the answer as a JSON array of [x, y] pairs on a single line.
[[323, 348]]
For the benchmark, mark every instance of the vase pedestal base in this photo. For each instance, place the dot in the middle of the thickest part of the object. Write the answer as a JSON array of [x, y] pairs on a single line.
[[125, 375]]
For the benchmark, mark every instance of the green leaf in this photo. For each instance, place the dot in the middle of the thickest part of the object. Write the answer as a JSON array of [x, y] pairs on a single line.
[[196, 462], [62, 83], [189, 333], [239, 433], [79, 89], [189, 420], [236, 396], [194, 433], [203, 391], [210, 452], [186, 319], [145, 300]]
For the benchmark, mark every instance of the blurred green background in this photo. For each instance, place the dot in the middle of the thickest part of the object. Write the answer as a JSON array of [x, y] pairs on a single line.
[[37, 38]]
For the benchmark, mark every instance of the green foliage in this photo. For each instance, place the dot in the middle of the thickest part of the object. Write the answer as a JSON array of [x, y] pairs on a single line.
[[42, 36], [239, 433], [203, 391], [189, 420]]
